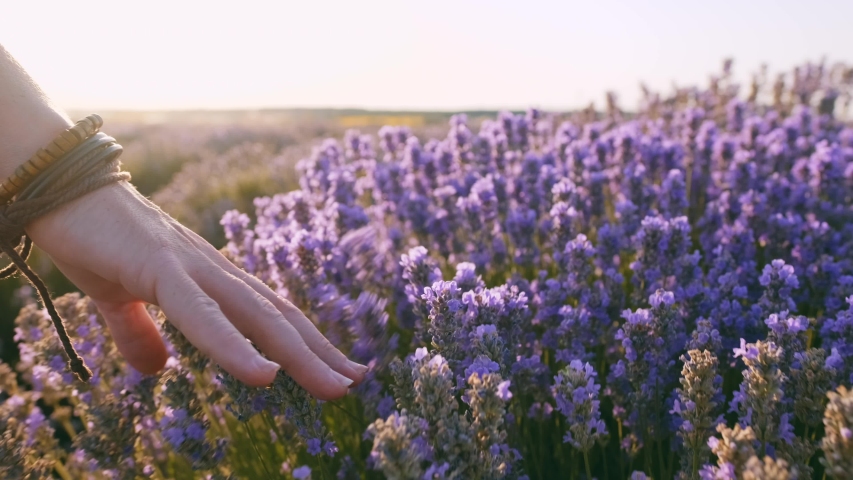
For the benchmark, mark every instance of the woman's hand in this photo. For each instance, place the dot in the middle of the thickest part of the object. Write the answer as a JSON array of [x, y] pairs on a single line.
[[123, 251]]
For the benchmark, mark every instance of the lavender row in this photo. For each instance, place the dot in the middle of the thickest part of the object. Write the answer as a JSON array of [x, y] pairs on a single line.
[[667, 294]]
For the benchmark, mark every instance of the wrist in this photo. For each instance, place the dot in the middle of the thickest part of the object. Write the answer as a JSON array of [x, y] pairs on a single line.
[[28, 119], [24, 134]]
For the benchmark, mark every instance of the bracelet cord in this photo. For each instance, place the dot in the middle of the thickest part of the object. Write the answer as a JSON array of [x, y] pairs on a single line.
[[87, 167]]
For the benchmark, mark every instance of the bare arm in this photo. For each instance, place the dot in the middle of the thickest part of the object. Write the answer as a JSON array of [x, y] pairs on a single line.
[[123, 251]]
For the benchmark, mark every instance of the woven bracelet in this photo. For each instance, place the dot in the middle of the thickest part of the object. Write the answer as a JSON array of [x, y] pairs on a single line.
[[76, 162], [63, 144]]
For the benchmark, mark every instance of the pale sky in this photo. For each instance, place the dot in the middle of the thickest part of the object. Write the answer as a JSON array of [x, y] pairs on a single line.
[[434, 55]]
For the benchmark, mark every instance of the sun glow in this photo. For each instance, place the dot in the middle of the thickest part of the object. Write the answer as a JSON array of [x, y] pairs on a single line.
[[399, 55]]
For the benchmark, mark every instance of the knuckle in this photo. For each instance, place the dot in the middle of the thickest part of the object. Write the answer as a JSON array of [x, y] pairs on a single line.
[[204, 305]]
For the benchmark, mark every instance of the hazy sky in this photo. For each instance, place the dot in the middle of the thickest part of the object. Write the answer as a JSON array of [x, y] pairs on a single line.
[[403, 54]]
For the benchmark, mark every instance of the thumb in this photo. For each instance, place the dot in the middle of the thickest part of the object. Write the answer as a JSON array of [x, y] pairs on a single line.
[[135, 334]]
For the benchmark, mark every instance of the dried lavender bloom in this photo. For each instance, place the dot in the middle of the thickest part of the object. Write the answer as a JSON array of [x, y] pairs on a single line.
[[28, 448], [403, 383], [449, 432], [733, 449], [811, 378], [759, 401], [400, 446], [768, 469], [698, 400], [837, 443], [486, 397], [8, 381], [576, 394]]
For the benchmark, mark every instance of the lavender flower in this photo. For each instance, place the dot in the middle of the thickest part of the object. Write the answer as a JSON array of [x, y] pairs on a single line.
[[576, 394], [445, 319], [778, 280], [548, 235]]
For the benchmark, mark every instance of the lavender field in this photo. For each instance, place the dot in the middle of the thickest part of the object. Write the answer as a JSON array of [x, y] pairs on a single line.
[[662, 292]]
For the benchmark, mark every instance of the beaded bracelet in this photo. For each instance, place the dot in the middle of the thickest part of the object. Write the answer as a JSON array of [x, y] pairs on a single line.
[[78, 161], [45, 157]]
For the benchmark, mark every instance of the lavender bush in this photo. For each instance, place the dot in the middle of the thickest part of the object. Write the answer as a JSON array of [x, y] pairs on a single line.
[[667, 294]]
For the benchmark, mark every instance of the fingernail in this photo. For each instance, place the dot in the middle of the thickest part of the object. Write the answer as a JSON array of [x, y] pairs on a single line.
[[342, 380], [361, 369], [266, 366]]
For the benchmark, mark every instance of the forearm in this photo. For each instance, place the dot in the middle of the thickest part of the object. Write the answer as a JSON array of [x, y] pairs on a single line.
[[28, 119]]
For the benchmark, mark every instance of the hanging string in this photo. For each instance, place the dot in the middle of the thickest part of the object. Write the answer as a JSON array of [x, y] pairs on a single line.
[[89, 166]]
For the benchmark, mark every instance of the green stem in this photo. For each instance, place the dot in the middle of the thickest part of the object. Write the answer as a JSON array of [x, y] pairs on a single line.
[[618, 447], [257, 451], [695, 470], [353, 417], [323, 467], [647, 454], [61, 471], [274, 426], [670, 463], [586, 465]]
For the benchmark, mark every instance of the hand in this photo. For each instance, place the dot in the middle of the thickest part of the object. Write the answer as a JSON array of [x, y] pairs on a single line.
[[122, 251]]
